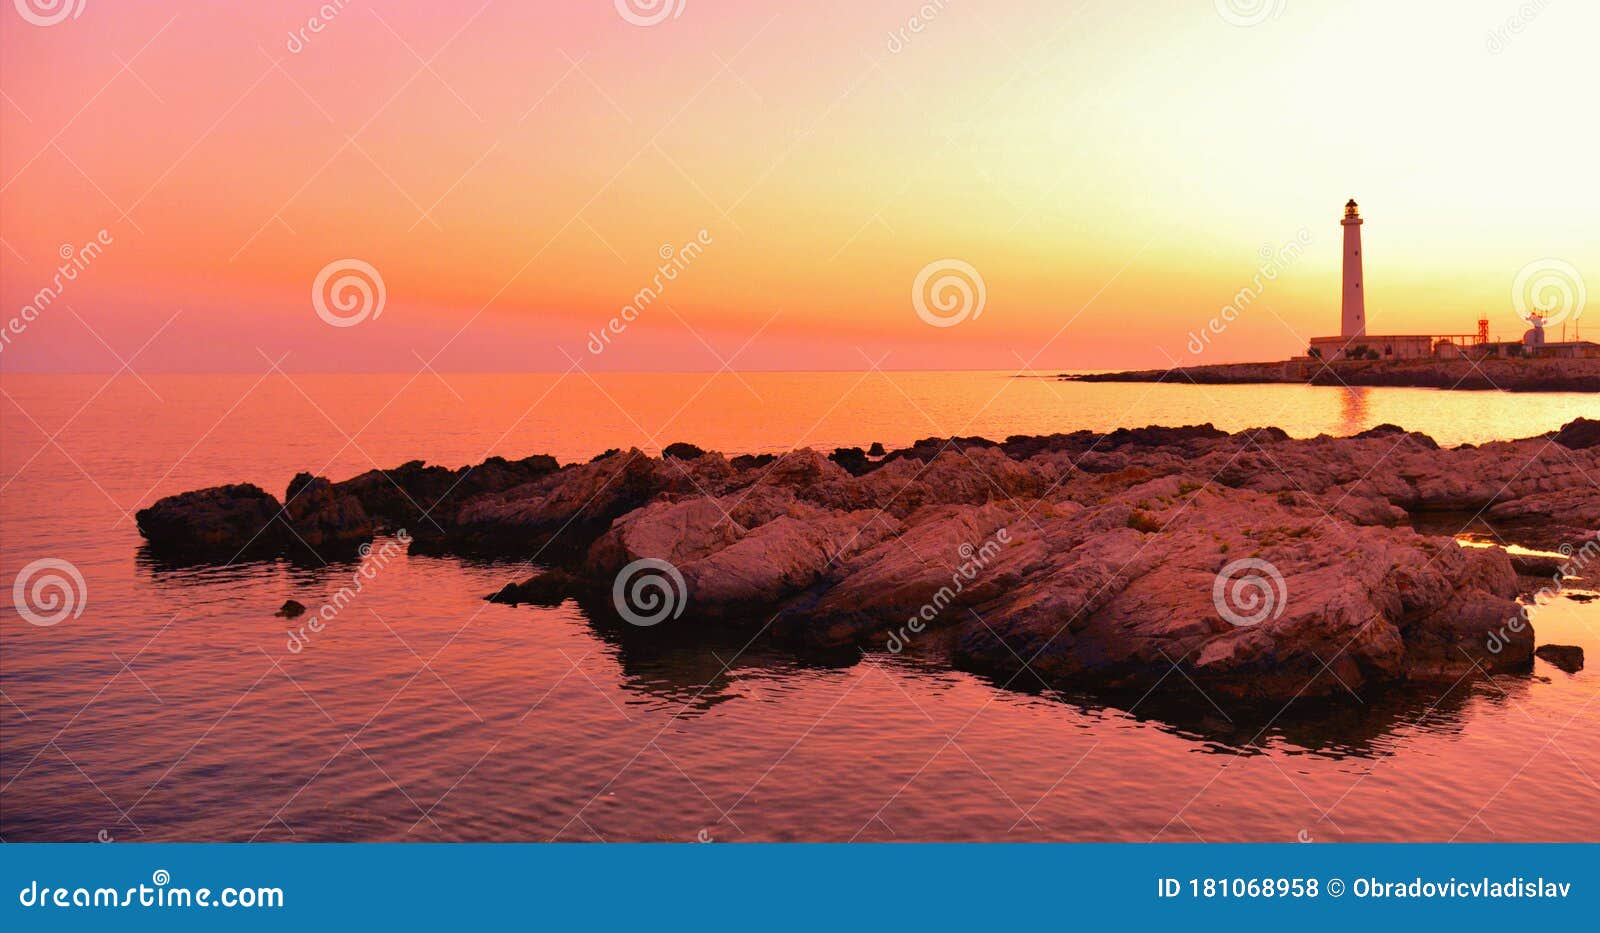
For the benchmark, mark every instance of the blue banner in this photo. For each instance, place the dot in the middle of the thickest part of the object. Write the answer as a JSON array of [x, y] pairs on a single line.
[[767, 886]]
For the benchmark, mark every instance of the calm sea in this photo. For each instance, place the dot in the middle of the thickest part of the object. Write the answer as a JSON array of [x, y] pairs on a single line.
[[170, 709]]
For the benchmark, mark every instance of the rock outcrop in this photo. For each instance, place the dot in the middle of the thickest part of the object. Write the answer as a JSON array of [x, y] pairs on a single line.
[[1254, 565], [323, 520], [221, 522]]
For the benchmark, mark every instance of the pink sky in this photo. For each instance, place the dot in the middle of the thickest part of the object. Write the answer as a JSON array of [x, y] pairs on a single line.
[[514, 170]]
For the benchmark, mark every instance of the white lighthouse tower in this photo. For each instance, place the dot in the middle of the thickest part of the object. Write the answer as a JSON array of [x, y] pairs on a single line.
[[1353, 318]]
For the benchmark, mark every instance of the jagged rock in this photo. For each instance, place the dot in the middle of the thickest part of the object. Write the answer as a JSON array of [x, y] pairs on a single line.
[[581, 499], [1567, 657], [682, 451], [1579, 434], [1394, 430], [853, 459], [425, 499], [1105, 574], [331, 523], [1121, 608], [221, 522], [736, 554]]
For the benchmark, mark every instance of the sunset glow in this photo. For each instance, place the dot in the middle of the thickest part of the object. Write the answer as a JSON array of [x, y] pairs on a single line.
[[1048, 437], [514, 172]]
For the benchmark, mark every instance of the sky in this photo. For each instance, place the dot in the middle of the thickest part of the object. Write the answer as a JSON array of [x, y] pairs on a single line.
[[1102, 179]]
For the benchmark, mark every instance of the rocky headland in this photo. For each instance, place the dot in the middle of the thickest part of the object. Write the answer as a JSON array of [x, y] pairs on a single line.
[[1510, 375], [1255, 565]]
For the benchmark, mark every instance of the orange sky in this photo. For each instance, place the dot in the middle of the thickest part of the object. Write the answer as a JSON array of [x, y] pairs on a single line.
[[513, 170]]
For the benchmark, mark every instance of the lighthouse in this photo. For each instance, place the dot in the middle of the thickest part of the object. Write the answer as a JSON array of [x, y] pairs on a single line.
[[1355, 346], [1353, 317]]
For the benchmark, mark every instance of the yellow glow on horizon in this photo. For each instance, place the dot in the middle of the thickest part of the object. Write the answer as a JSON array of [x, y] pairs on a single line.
[[1119, 168]]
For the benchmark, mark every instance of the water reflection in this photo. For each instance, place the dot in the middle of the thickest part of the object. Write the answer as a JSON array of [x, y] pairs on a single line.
[[175, 697], [1355, 406], [700, 666], [1337, 730], [696, 665]]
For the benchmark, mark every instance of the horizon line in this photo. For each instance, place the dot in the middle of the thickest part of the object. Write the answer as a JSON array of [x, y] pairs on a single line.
[[535, 372]]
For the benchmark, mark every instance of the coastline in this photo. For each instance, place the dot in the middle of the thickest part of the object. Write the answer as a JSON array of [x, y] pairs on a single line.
[[1089, 560], [1508, 375]]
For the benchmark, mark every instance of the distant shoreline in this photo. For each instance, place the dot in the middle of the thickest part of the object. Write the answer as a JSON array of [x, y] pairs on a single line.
[[1533, 375]]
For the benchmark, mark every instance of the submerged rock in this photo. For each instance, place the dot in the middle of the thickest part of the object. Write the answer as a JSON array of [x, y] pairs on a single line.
[[1538, 565], [290, 609], [546, 589], [1567, 657]]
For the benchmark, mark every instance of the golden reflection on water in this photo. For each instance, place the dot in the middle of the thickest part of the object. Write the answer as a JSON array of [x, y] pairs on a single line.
[[1354, 410]]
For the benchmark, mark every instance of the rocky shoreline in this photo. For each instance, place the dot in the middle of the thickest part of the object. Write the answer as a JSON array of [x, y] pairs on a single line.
[[1510, 375], [1257, 566]]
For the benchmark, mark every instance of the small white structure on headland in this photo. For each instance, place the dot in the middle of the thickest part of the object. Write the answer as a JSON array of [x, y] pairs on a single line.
[[1354, 343]]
